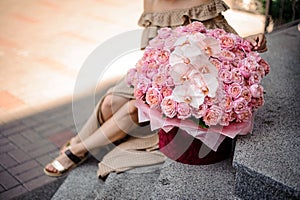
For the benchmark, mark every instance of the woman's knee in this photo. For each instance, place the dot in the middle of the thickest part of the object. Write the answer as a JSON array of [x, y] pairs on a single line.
[[132, 109], [106, 104]]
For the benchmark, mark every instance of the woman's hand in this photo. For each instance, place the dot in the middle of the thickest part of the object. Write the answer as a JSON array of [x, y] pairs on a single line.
[[258, 42]]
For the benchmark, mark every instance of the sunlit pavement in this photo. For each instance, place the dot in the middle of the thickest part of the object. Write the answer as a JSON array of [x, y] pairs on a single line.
[[43, 45]]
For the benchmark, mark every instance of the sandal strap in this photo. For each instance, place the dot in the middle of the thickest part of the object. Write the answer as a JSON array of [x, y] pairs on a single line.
[[58, 166], [72, 157]]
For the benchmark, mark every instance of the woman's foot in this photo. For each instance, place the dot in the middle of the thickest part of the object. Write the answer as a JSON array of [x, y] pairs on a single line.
[[74, 140], [64, 162]]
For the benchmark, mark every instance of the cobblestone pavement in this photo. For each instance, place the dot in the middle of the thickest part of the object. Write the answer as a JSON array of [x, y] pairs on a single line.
[[43, 44]]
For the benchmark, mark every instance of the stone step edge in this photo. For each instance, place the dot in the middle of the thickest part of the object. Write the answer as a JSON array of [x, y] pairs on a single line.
[[266, 179]]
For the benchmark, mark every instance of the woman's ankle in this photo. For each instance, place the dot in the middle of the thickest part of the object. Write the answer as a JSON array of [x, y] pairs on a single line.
[[79, 149]]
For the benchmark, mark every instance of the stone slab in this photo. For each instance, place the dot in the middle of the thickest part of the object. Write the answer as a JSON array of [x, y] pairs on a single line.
[[81, 183], [182, 181], [271, 153], [132, 184]]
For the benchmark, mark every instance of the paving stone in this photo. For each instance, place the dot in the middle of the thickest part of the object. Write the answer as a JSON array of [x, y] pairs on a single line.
[[19, 140], [29, 122], [14, 130], [31, 135], [19, 156], [30, 174], [4, 140], [7, 147], [44, 192], [60, 138], [1, 168], [7, 180], [21, 168], [35, 145], [38, 182], [14, 192], [2, 189], [10, 125], [42, 150], [6, 161], [45, 127], [44, 160], [48, 132]]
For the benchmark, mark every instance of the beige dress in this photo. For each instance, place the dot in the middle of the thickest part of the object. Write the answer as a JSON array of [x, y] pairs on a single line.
[[135, 152]]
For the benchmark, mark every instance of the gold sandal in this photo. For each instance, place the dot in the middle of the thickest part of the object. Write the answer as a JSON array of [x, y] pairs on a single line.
[[61, 170]]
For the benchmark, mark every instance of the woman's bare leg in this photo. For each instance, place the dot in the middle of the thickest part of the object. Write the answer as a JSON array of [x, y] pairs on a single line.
[[115, 128], [109, 106]]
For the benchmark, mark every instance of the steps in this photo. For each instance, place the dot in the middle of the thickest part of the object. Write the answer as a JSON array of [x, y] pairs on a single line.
[[268, 161], [266, 164]]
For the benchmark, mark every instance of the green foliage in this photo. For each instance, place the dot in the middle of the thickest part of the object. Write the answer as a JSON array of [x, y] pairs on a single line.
[[283, 11]]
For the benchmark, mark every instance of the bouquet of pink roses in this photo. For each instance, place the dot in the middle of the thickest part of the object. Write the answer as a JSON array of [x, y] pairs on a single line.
[[193, 74]]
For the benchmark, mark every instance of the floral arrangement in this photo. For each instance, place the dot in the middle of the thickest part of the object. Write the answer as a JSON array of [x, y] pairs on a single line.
[[193, 74]]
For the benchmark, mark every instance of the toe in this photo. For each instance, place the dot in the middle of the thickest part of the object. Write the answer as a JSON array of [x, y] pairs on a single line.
[[50, 168]]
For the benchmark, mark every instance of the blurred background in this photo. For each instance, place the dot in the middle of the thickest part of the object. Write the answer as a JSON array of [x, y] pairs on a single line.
[[43, 43]]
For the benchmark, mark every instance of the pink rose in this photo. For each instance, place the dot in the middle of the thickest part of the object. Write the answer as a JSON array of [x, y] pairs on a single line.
[[244, 45], [170, 82], [254, 55], [234, 90], [225, 76], [209, 100], [216, 63], [169, 107], [239, 54], [266, 66], [183, 110], [251, 62], [225, 119], [227, 103], [256, 90], [237, 76], [213, 115], [139, 94], [216, 33], [131, 77], [261, 70], [244, 115], [257, 102], [143, 83], [226, 65], [148, 55], [164, 33], [156, 43], [246, 94], [151, 72], [153, 97], [244, 69], [166, 91], [227, 55], [240, 105], [255, 78], [158, 80], [199, 112], [196, 27], [162, 56], [226, 42]]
